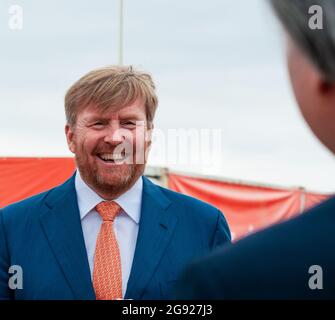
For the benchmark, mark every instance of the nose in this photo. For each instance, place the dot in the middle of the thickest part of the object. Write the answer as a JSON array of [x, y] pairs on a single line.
[[114, 134]]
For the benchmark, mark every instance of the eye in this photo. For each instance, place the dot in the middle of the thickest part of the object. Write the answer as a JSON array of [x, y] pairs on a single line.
[[128, 124], [97, 125]]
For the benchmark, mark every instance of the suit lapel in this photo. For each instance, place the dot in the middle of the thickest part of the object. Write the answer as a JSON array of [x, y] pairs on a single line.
[[155, 231], [61, 223]]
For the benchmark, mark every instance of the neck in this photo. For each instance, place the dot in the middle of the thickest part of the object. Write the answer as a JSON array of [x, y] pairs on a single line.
[[110, 192]]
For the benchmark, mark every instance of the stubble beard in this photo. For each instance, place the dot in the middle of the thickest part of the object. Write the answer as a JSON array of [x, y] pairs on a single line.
[[109, 186]]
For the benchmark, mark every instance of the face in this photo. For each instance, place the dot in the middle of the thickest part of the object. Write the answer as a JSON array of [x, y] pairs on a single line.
[[110, 148], [316, 97]]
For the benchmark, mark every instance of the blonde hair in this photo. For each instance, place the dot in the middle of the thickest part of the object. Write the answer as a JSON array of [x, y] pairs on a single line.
[[113, 86]]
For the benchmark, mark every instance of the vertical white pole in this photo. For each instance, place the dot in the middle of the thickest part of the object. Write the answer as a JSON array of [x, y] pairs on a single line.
[[121, 34]]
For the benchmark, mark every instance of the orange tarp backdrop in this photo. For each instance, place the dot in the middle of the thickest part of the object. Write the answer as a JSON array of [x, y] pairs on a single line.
[[24, 177], [246, 207]]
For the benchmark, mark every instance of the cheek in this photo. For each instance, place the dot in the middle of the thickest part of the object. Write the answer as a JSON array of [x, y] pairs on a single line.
[[139, 139], [304, 83], [301, 85], [86, 144], [301, 93], [140, 147]]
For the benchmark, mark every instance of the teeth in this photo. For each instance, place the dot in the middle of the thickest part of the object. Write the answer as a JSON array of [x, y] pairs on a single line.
[[112, 156]]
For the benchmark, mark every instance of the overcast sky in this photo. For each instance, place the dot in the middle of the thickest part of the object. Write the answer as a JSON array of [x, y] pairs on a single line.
[[218, 64]]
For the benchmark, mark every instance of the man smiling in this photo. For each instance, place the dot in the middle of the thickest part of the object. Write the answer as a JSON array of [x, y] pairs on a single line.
[[105, 145], [107, 232]]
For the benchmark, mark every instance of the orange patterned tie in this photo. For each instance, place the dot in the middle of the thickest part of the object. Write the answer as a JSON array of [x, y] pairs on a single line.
[[107, 274]]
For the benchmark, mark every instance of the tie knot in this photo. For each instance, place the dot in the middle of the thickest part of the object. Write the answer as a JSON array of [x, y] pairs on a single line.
[[108, 210]]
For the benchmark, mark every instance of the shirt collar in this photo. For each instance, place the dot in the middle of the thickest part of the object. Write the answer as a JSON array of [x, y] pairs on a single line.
[[130, 201]]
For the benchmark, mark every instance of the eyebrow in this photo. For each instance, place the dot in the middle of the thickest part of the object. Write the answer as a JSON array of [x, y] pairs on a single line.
[[131, 115], [104, 118], [94, 118]]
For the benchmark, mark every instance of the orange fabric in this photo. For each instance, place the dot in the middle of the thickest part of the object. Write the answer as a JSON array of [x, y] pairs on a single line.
[[246, 208], [313, 199], [21, 178], [107, 274]]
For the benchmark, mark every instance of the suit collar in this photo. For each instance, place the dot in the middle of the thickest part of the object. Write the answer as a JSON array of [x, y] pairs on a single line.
[[156, 228], [130, 201], [61, 223]]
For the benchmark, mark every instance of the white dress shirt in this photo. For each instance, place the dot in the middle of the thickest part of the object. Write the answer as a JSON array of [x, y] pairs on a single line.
[[125, 224]]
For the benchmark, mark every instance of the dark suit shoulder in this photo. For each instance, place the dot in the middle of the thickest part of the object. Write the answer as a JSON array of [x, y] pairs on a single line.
[[26, 205], [196, 214], [275, 262], [313, 226]]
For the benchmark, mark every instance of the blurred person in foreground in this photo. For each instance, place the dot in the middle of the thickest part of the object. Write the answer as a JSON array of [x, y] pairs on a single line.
[[295, 259], [108, 232]]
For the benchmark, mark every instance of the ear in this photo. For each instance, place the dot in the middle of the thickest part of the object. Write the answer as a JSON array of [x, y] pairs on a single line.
[[69, 132], [326, 87], [326, 96]]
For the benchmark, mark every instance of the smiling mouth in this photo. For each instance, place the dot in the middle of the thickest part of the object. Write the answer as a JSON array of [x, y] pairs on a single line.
[[112, 158]]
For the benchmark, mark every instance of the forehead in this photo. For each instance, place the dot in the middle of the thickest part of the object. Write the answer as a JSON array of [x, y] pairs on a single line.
[[135, 109]]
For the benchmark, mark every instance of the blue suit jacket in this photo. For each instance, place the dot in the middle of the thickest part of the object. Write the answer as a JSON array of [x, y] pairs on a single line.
[[272, 264], [43, 235]]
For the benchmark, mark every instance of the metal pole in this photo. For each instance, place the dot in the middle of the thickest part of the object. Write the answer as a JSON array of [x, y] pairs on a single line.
[[121, 34]]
